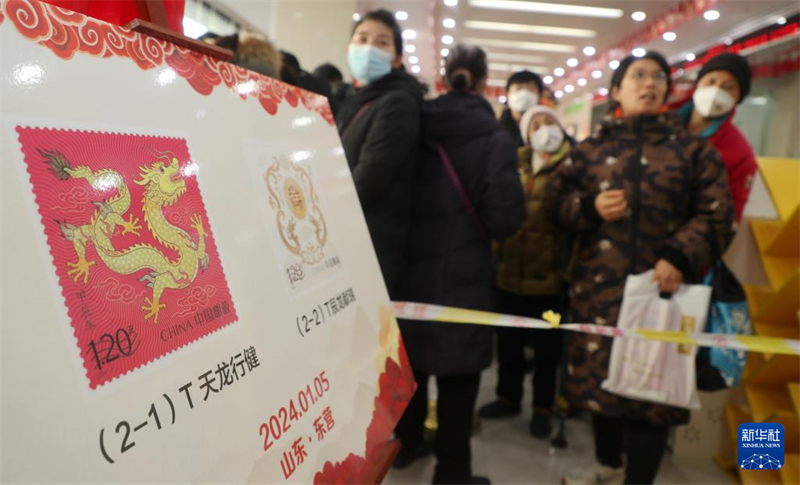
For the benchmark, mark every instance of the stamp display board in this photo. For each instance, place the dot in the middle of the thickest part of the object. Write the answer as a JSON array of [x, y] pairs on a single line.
[[189, 291]]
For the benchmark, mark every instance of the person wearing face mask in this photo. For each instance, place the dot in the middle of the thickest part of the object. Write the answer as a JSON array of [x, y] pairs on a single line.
[[466, 193], [723, 82], [641, 194], [524, 89], [530, 277], [379, 126]]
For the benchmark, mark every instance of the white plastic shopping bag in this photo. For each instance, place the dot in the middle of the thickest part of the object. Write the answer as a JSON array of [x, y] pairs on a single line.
[[659, 372]]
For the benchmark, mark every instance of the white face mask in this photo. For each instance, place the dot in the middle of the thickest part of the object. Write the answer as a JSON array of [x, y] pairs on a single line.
[[547, 139], [712, 102], [521, 100]]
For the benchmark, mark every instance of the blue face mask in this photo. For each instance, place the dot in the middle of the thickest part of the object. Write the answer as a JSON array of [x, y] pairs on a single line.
[[368, 63]]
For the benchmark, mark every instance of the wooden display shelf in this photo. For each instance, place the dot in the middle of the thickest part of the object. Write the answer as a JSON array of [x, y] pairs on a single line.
[[794, 392], [764, 232], [782, 330], [786, 243], [780, 271], [767, 403], [781, 177], [790, 473], [775, 370], [770, 405], [760, 477], [782, 305]]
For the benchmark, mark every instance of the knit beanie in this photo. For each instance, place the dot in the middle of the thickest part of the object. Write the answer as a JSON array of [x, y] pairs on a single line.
[[525, 121], [734, 64]]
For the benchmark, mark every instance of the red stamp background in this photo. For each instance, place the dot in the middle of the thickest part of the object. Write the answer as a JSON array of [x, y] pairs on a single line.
[[110, 304]]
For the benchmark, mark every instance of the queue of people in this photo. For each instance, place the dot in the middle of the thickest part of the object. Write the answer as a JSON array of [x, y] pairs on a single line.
[[512, 215]]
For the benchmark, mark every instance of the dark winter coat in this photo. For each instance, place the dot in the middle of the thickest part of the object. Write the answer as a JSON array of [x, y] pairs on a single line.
[[380, 144], [448, 261], [680, 209], [512, 127], [533, 261]]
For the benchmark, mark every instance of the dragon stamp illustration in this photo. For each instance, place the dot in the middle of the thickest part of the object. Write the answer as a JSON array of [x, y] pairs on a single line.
[[133, 250]]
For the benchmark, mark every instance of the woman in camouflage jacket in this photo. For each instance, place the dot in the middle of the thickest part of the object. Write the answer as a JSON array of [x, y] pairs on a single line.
[[640, 194]]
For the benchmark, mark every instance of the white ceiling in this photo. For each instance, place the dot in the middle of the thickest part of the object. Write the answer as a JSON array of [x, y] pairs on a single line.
[[506, 50]]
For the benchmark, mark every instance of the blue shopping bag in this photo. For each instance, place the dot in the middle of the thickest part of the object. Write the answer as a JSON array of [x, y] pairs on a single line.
[[728, 314]]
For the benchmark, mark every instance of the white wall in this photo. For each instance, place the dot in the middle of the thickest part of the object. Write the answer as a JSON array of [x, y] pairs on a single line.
[[254, 14], [315, 31]]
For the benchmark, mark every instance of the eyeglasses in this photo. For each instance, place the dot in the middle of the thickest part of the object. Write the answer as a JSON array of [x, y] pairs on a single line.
[[659, 78]]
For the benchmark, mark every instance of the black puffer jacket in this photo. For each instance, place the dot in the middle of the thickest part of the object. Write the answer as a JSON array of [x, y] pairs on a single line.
[[507, 120], [448, 262], [380, 144]]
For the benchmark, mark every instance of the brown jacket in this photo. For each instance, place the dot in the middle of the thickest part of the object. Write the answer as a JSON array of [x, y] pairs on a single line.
[[532, 262], [680, 209]]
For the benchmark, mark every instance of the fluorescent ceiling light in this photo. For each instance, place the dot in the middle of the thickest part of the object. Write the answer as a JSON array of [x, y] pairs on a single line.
[[449, 23], [554, 8], [669, 36], [409, 34], [356, 17], [192, 28], [613, 64], [502, 99], [572, 62], [559, 71], [496, 82], [516, 44], [516, 67], [547, 80], [442, 71], [400, 15], [582, 82], [413, 60], [597, 74], [638, 16], [451, 3], [589, 50], [782, 21], [447, 39], [690, 57], [445, 52], [711, 15], [603, 91], [569, 88], [411, 48], [638, 52], [559, 94], [501, 56], [415, 69], [530, 29]]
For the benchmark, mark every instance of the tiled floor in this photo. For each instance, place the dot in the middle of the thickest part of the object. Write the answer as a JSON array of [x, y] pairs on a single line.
[[507, 454]]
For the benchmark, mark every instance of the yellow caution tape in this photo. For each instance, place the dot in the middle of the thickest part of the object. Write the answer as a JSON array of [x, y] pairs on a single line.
[[552, 320]]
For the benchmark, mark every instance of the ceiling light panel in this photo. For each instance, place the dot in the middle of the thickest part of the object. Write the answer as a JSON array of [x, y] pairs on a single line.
[[523, 58], [517, 67], [530, 29], [514, 44], [552, 8]]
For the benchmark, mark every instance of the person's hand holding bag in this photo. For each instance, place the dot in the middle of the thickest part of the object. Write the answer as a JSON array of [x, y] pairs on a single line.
[[668, 276]]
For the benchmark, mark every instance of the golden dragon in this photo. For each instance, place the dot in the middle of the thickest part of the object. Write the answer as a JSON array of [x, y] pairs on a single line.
[[164, 185]]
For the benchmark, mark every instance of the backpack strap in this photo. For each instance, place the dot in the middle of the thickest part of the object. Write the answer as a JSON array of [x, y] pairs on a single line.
[[451, 172], [354, 118]]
